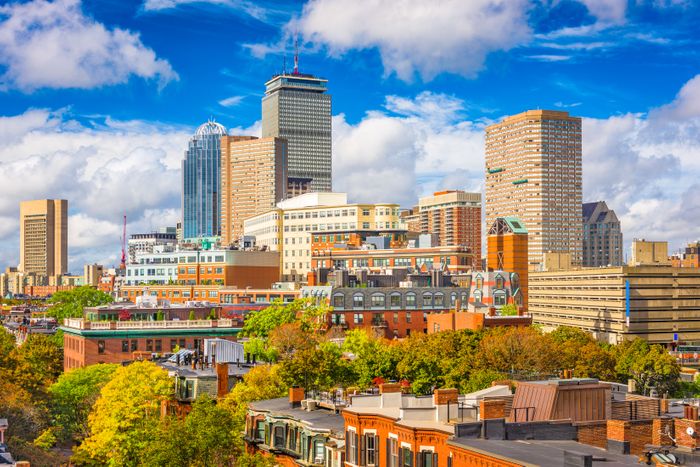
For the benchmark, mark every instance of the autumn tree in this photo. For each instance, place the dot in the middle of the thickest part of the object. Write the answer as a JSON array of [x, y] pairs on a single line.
[[38, 362], [70, 303], [656, 369], [125, 417], [518, 351], [73, 396], [372, 357]]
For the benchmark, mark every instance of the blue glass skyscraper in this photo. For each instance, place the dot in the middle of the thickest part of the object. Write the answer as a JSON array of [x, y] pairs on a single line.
[[201, 182]]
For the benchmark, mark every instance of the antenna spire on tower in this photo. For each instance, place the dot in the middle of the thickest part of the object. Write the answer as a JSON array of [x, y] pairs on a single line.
[[296, 56]]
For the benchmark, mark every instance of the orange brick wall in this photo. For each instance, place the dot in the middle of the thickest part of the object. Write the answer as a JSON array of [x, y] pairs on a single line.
[[659, 427], [492, 409], [514, 257], [682, 436], [637, 432], [593, 434]]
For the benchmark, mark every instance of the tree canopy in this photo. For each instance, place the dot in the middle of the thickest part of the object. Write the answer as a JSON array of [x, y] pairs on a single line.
[[70, 303]]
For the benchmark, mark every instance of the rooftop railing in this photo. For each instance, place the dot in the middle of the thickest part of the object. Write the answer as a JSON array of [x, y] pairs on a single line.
[[80, 323]]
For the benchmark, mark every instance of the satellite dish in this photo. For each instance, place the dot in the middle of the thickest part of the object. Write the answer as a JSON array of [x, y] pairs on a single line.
[[690, 431]]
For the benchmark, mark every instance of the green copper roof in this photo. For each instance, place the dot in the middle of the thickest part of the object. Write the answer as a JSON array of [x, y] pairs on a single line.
[[515, 224]]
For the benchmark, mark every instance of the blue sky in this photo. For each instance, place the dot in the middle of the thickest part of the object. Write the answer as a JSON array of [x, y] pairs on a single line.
[[98, 98]]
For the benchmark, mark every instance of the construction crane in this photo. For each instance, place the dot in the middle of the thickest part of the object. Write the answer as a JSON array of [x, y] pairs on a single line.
[[122, 266]]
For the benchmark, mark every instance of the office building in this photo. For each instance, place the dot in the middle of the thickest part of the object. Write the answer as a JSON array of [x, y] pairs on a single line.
[[297, 108], [143, 243], [289, 227], [455, 216], [201, 182], [253, 180], [533, 172], [43, 242], [660, 304], [602, 236], [92, 274], [649, 253], [507, 251], [689, 257]]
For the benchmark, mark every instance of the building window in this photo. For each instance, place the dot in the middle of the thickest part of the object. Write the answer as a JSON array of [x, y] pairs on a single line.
[[338, 318], [406, 457], [479, 282], [260, 430], [499, 299], [408, 317], [339, 301], [358, 301], [319, 452], [173, 344], [427, 300], [279, 437], [370, 450], [292, 438], [392, 446], [395, 300], [500, 282], [149, 345], [453, 299], [351, 454], [125, 346], [134, 345], [396, 318], [359, 318], [410, 300], [439, 300], [159, 345], [427, 459], [378, 301], [100, 346]]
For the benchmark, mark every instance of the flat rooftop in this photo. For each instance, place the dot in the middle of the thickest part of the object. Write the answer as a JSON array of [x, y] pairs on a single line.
[[319, 419], [535, 452]]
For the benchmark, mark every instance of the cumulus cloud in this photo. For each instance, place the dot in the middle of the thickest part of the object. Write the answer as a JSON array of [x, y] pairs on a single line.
[[411, 35], [612, 11], [105, 168], [407, 149], [54, 45]]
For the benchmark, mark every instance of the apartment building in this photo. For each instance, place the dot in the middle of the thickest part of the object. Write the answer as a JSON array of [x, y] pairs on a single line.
[[602, 236], [533, 172], [43, 237], [455, 217], [289, 227]]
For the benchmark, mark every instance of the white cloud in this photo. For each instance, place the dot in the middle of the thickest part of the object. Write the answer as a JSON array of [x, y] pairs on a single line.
[[54, 45], [249, 8], [407, 150], [104, 168], [612, 11], [453, 36], [231, 101]]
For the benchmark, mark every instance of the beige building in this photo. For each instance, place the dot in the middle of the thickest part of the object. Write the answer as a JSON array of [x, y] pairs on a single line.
[[43, 243], [533, 172], [92, 273], [646, 253], [289, 226], [253, 180], [620, 303]]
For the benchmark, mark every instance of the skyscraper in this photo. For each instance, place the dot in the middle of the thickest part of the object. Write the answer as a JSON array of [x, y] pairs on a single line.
[[455, 216], [297, 108], [43, 240], [602, 236], [253, 180], [533, 172], [201, 182]]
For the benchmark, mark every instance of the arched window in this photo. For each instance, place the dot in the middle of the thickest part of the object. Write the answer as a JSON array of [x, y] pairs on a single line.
[[427, 300], [339, 301], [514, 281], [439, 300], [465, 300], [410, 300], [358, 300], [378, 300], [500, 282], [453, 298], [479, 282], [395, 299], [477, 296]]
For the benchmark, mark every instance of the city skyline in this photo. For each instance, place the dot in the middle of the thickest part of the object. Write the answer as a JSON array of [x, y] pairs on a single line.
[[404, 125]]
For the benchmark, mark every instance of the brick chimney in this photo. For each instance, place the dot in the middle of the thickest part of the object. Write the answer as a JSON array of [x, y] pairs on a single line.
[[493, 408], [221, 379], [386, 388], [296, 395], [445, 396]]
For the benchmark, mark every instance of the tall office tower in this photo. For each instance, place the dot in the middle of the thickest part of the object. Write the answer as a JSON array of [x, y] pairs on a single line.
[[455, 216], [533, 171], [253, 180], [43, 239], [201, 182], [602, 236], [297, 108]]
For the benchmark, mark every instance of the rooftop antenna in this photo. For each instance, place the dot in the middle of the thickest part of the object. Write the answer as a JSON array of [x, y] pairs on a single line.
[[284, 63], [296, 55]]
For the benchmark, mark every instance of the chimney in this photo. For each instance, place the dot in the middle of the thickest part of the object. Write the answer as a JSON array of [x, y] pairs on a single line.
[[296, 395], [221, 379], [445, 396], [386, 388]]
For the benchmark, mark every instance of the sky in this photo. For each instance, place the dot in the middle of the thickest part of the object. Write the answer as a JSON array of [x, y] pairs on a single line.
[[98, 99]]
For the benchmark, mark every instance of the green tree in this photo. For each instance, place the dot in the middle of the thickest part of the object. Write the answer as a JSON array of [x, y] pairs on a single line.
[[509, 310], [124, 419], [260, 383], [262, 323], [70, 303], [191, 316], [373, 357], [205, 437], [7, 345], [626, 354], [38, 362], [656, 369], [481, 379], [73, 396]]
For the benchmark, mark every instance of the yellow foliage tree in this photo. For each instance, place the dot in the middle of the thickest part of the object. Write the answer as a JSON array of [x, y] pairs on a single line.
[[125, 418]]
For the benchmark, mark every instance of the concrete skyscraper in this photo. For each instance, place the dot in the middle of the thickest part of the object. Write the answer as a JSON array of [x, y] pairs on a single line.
[[602, 236], [533, 172], [43, 240], [253, 180], [297, 108], [201, 182]]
